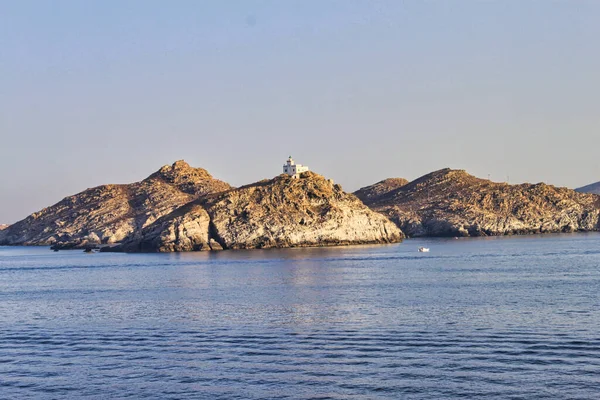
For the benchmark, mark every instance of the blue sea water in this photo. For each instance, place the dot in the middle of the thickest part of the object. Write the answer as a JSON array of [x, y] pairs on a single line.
[[494, 318]]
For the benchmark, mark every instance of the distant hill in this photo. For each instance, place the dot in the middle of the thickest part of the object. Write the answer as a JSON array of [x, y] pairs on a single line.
[[593, 188], [453, 203], [3, 226], [374, 192]]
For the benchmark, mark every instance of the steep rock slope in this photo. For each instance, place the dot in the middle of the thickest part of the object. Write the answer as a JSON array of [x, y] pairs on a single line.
[[453, 203], [281, 212], [594, 188], [185, 229], [111, 213]]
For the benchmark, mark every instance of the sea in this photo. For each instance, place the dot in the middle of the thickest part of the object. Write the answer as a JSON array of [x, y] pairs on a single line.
[[475, 318]]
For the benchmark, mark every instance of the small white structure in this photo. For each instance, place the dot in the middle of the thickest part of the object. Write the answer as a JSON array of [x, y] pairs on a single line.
[[293, 169]]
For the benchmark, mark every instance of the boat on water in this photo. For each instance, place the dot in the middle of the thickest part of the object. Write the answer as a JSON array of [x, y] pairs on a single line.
[[423, 249]]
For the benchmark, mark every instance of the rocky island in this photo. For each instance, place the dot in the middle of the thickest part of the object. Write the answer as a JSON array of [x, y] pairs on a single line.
[[180, 208], [453, 203]]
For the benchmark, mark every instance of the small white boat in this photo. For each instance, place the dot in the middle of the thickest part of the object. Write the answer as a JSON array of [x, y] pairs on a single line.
[[423, 249]]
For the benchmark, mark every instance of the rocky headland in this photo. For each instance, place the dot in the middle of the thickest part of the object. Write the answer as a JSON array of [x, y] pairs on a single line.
[[180, 208], [453, 203], [280, 212], [109, 214], [594, 188]]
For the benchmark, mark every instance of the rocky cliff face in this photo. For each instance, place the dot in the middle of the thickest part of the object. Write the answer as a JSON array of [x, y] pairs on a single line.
[[186, 229], [594, 188], [111, 213], [454, 203], [281, 212]]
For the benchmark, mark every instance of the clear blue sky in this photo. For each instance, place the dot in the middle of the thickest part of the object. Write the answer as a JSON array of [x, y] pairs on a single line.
[[105, 91]]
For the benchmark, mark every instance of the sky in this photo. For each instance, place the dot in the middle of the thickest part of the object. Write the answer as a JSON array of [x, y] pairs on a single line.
[[108, 91]]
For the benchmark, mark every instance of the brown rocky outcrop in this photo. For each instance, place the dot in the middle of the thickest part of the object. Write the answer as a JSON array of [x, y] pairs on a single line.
[[281, 212], [3, 227], [453, 203], [110, 213]]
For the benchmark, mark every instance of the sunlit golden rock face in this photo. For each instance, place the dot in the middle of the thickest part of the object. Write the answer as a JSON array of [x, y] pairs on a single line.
[[282, 212]]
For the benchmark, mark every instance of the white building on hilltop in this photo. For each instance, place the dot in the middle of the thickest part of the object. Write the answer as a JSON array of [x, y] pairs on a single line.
[[293, 169]]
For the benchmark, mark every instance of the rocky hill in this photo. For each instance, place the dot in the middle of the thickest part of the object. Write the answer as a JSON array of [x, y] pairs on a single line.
[[111, 213], [3, 227], [370, 194], [281, 212], [454, 203], [594, 188]]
